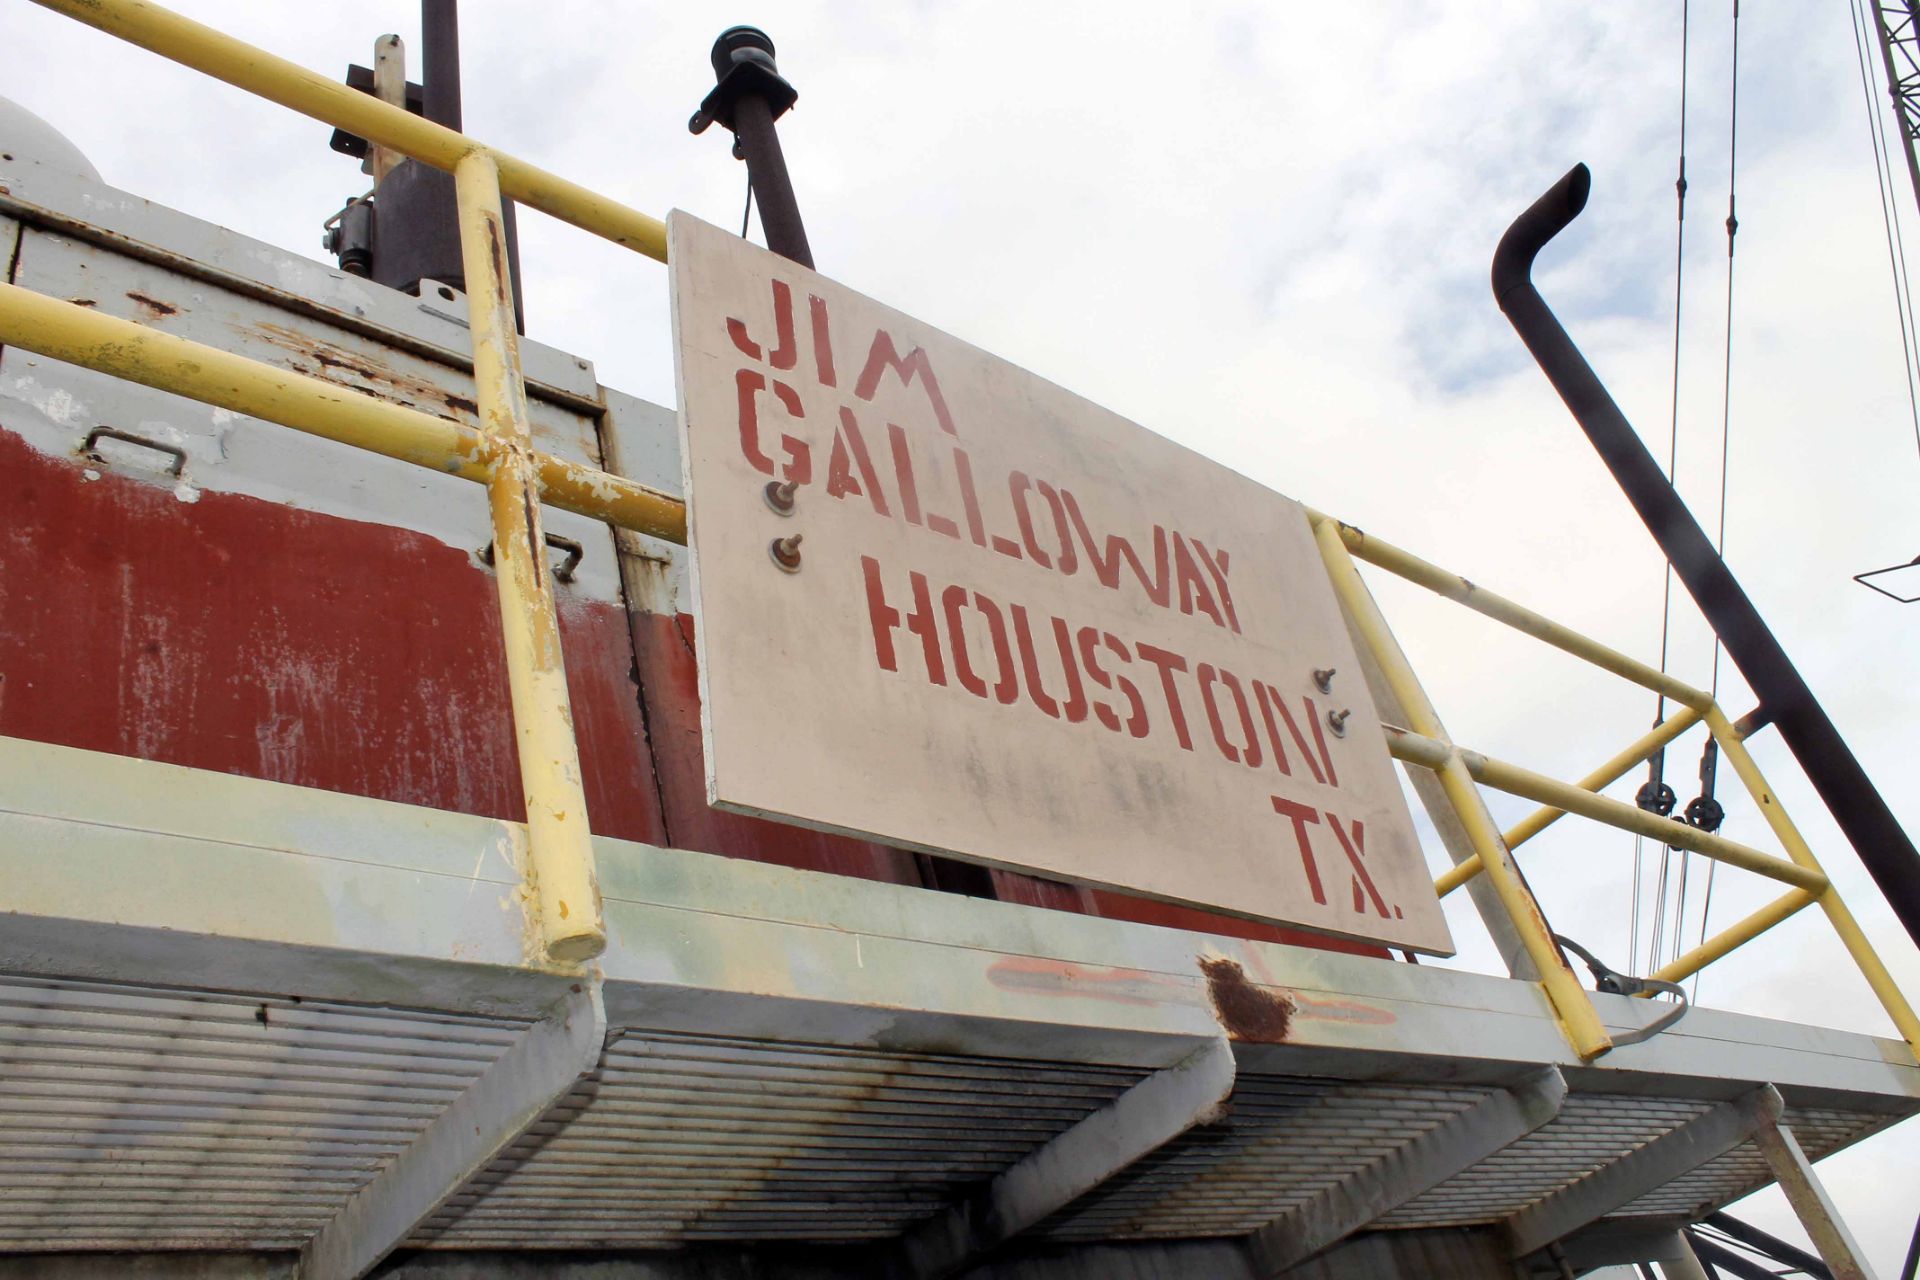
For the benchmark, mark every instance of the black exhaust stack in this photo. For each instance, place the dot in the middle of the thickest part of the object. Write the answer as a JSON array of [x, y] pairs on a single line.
[[1843, 785]]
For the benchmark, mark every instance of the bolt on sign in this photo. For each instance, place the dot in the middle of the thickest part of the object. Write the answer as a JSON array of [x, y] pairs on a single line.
[[946, 604]]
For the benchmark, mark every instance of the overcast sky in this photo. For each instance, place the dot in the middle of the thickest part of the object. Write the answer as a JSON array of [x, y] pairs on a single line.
[[1264, 231]]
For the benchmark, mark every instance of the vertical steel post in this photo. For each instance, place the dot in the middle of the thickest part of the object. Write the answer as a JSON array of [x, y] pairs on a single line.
[[1824, 756], [1569, 1000], [560, 846]]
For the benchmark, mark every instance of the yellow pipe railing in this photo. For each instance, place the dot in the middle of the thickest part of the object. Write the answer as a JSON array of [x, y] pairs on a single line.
[[1605, 776], [559, 843], [1433, 753], [519, 479], [1734, 935], [107, 344], [1406, 565], [1864, 957], [1570, 1002]]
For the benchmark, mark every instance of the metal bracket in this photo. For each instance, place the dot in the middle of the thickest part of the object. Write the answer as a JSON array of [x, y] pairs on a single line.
[[90, 447], [1489, 1126], [1810, 1201], [536, 1071], [564, 571], [1700, 1140], [1140, 1121]]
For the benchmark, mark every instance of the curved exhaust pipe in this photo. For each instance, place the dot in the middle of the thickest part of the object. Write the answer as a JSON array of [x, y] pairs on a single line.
[[1823, 754]]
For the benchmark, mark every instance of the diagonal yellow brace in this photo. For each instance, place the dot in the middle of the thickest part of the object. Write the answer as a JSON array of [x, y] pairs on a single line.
[[1605, 776], [1851, 935]]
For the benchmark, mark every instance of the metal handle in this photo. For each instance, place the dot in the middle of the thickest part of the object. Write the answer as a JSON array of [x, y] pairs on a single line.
[[565, 570], [174, 451]]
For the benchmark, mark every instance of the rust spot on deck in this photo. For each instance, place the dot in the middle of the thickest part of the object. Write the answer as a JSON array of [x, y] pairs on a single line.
[[155, 309], [1248, 1012]]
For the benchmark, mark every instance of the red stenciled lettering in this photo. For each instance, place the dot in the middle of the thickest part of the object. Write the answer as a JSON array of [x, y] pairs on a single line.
[[883, 356], [1030, 663], [1270, 702], [1320, 741], [903, 472], [1107, 568], [748, 384], [1208, 676], [884, 617], [1195, 594], [886, 620], [1076, 706], [952, 601], [1019, 484], [976, 526], [1006, 687], [822, 340], [786, 354], [850, 452], [1137, 720], [1167, 663], [1354, 848], [1216, 563], [1302, 816]]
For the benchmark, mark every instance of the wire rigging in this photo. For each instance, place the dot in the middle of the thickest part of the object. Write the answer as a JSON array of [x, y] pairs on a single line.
[[1726, 441], [1673, 445], [1865, 34]]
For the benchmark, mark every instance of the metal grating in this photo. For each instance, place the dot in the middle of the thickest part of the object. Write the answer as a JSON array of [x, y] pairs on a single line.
[[684, 1138], [146, 1118], [1592, 1130], [1285, 1139], [1742, 1170]]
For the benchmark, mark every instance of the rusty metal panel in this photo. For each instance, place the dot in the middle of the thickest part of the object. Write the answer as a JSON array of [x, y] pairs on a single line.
[[206, 589], [1020, 630]]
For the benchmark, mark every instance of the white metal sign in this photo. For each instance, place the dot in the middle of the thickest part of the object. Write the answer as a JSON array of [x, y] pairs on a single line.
[[949, 605]]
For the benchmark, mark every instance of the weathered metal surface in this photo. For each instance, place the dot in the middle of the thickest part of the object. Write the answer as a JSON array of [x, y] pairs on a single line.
[[242, 616], [957, 511], [1376, 1189], [802, 1056], [1707, 1136], [515, 1090], [1810, 1201], [1104, 1144]]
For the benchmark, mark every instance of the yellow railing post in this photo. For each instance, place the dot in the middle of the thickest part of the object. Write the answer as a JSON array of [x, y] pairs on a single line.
[[560, 846], [1569, 1000], [1851, 937]]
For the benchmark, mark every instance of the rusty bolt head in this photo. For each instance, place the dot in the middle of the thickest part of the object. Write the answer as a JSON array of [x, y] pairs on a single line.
[[786, 553], [1323, 679], [779, 496], [1337, 721]]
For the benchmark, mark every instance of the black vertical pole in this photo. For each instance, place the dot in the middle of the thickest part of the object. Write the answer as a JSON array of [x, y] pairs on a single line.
[[748, 96], [1829, 764], [440, 61]]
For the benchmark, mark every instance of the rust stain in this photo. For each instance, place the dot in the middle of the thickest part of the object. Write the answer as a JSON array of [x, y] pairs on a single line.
[[1033, 975], [1248, 1012], [84, 302], [1350, 1012], [342, 367], [155, 309]]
